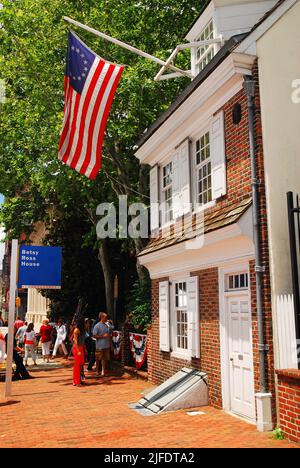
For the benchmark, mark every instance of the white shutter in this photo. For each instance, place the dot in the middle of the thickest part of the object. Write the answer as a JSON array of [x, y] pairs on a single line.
[[193, 316], [181, 188], [184, 172], [164, 316], [176, 207], [154, 198], [218, 159]]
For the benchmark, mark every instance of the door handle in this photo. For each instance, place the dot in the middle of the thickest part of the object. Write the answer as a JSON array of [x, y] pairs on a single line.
[[231, 359]]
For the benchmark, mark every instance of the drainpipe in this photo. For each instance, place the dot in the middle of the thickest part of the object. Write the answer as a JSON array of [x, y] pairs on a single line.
[[249, 87]]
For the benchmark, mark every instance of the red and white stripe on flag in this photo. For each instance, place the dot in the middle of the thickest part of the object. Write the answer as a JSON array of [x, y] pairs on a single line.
[[90, 85]]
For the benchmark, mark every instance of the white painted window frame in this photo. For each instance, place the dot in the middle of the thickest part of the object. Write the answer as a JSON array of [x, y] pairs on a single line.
[[176, 353], [199, 166], [208, 48], [166, 222], [214, 46]]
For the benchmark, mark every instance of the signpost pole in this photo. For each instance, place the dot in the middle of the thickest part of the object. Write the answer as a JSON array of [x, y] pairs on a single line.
[[11, 316]]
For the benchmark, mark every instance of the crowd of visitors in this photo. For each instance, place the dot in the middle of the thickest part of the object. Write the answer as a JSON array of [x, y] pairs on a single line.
[[87, 340]]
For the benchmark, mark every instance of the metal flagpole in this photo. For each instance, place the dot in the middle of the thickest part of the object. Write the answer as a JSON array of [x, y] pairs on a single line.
[[127, 46], [11, 316]]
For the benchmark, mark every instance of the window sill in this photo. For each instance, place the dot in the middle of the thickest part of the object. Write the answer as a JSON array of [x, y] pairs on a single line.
[[201, 208], [182, 356]]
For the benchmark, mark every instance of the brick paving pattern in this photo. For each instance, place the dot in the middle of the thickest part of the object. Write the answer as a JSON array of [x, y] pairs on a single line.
[[49, 412]]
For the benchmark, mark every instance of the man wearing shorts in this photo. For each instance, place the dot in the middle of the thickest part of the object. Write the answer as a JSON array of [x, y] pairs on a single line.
[[102, 333]]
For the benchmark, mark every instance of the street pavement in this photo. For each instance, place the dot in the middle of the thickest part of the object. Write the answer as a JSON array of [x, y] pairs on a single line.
[[49, 412]]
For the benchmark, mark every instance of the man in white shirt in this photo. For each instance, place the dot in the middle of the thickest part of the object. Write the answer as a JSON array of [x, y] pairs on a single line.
[[60, 338]]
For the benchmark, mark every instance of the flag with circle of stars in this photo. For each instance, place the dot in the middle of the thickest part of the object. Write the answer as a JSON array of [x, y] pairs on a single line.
[[90, 85], [80, 60]]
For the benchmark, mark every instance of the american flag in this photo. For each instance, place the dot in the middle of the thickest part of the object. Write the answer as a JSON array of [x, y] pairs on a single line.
[[90, 85]]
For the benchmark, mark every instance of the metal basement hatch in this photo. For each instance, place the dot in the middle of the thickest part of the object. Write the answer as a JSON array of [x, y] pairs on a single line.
[[185, 389]]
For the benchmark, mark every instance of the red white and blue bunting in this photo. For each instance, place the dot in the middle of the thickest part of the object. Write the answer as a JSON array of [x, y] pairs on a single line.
[[117, 343], [138, 348]]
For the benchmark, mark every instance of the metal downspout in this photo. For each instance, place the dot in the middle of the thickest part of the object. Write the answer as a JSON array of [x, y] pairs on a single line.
[[249, 87]]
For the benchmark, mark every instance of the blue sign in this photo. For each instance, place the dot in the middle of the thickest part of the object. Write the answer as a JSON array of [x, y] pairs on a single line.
[[39, 267]]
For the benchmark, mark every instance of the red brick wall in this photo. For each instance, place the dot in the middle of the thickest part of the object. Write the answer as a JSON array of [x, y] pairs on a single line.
[[289, 403], [162, 365], [210, 358], [237, 152]]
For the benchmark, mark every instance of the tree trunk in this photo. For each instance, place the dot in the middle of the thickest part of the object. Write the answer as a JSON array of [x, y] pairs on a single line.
[[103, 257]]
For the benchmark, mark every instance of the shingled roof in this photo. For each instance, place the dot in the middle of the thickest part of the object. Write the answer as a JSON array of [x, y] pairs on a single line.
[[189, 227]]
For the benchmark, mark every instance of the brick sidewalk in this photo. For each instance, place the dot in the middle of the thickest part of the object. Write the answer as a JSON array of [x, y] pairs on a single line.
[[50, 412]]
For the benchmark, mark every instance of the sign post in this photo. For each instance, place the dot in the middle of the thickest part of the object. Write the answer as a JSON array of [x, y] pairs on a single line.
[[36, 267], [11, 316]]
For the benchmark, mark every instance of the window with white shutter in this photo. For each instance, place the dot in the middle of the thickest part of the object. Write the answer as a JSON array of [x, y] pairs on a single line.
[[154, 198], [185, 318], [181, 184], [181, 318], [193, 317], [167, 192], [203, 169], [185, 173], [164, 316], [218, 158]]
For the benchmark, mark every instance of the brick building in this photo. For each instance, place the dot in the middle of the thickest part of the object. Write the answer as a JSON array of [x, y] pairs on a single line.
[[202, 256]]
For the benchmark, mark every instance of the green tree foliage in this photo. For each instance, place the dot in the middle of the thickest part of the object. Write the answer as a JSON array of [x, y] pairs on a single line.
[[33, 39]]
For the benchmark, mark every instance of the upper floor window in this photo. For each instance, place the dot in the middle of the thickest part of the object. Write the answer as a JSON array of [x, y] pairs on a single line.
[[167, 193], [203, 169], [205, 53]]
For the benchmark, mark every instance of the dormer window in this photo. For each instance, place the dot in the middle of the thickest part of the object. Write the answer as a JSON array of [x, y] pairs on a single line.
[[205, 53]]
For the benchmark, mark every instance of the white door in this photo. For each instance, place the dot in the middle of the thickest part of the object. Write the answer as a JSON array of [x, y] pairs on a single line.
[[240, 356]]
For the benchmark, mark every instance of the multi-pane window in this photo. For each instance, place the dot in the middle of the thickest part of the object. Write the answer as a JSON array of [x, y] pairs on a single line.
[[205, 53], [181, 337], [203, 169], [237, 281], [167, 192]]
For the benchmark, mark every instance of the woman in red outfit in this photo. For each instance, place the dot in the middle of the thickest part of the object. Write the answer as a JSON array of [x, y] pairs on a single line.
[[78, 351]]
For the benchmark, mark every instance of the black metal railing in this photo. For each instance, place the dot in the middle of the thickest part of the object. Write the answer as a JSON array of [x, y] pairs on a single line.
[[294, 233]]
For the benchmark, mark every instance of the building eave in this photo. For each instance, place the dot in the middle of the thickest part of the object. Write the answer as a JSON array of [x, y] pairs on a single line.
[[233, 67]]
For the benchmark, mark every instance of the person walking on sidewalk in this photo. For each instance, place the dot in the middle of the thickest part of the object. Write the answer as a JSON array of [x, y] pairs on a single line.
[[46, 339], [60, 338], [30, 344], [102, 332], [20, 371], [20, 335], [78, 351]]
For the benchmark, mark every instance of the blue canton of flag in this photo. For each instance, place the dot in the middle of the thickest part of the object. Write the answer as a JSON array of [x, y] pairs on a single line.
[[79, 62]]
